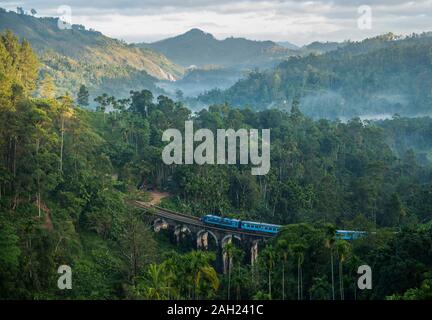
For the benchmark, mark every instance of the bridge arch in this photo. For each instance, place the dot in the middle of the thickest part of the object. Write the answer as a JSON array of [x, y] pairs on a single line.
[[182, 234], [210, 233], [159, 224], [229, 237]]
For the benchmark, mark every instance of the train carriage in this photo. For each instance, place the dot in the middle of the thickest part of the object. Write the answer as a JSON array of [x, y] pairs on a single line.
[[349, 234], [260, 227], [222, 222]]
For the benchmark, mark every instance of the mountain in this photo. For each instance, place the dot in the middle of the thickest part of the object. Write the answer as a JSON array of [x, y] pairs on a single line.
[[78, 56], [288, 45], [197, 48], [321, 47], [374, 78]]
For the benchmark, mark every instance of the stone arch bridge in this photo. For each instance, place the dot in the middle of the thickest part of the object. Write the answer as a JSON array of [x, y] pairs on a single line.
[[185, 225]]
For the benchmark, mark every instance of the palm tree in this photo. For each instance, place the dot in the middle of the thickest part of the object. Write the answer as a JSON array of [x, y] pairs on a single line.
[[200, 270], [65, 111], [177, 266], [298, 250], [155, 285], [103, 102], [353, 264], [269, 255], [228, 250], [343, 250], [208, 274], [284, 249], [329, 243]]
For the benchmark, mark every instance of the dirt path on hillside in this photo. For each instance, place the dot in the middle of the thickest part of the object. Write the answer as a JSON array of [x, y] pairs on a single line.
[[157, 196]]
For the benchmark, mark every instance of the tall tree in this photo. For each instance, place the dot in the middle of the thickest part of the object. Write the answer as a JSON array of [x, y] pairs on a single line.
[[269, 256], [329, 243], [283, 248], [47, 88], [298, 251], [141, 102], [343, 250], [232, 253], [83, 96], [66, 112]]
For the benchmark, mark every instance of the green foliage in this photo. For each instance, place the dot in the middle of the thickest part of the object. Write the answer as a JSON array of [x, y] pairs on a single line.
[[424, 292], [189, 276], [18, 67], [10, 251], [65, 173]]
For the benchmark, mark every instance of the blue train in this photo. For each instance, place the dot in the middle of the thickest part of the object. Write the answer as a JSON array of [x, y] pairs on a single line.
[[349, 234], [243, 225], [268, 228], [220, 221]]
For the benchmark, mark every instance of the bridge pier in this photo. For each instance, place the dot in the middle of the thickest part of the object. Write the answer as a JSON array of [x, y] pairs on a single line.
[[202, 240], [254, 252]]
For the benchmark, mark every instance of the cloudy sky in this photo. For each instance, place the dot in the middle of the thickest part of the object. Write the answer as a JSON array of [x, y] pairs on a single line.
[[297, 21]]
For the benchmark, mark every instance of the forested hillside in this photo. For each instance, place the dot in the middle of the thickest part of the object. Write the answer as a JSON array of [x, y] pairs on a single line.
[[404, 134], [66, 174], [321, 47], [374, 78], [78, 56]]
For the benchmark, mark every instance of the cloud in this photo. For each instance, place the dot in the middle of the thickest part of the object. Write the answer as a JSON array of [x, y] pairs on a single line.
[[299, 21]]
